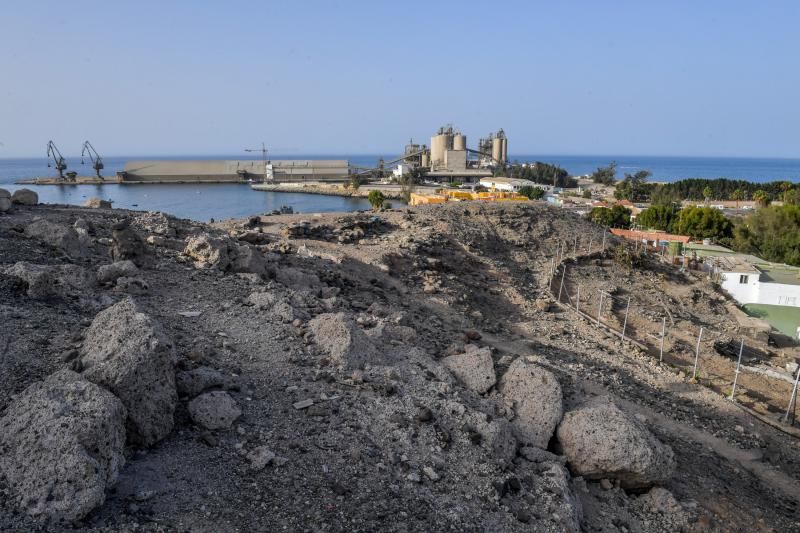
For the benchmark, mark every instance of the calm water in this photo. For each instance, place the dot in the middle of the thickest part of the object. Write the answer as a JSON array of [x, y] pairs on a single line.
[[220, 201]]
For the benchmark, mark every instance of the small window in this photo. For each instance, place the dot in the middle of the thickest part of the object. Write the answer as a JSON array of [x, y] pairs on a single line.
[[743, 279]]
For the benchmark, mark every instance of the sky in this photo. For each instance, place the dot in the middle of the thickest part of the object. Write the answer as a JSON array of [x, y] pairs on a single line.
[[594, 77]]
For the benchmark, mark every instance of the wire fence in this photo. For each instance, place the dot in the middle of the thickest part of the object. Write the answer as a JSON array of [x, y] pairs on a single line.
[[722, 360]]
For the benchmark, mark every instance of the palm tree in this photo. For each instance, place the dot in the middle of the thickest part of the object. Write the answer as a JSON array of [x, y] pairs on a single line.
[[707, 192], [737, 195], [761, 197], [785, 187]]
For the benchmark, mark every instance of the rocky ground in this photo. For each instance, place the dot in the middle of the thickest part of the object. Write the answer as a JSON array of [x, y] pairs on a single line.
[[405, 371]]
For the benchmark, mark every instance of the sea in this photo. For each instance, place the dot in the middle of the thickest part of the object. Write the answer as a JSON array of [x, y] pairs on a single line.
[[204, 202]]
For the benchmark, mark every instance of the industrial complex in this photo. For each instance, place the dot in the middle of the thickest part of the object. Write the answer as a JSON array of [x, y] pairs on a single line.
[[447, 158]]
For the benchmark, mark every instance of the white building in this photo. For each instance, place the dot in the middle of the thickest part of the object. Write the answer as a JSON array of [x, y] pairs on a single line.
[[761, 284], [501, 183]]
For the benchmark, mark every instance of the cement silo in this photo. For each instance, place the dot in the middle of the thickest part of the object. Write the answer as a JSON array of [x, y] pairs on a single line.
[[505, 149], [459, 142], [497, 149], [440, 143]]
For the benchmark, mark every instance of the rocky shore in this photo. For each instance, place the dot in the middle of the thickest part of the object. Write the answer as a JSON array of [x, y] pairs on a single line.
[[404, 371]]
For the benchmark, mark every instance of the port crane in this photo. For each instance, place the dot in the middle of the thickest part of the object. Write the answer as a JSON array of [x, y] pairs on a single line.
[[58, 160], [94, 157]]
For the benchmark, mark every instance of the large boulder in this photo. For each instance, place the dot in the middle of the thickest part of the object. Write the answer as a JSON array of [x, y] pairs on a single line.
[[246, 258], [600, 441], [127, 244], [346, 344], [5, 201], [536, 398], [43, 282], [64, 237], [61, 446], [24, 197], [97, 203], [207, 252], [127, 352], [214, 410], [474, 369], [110, 273]]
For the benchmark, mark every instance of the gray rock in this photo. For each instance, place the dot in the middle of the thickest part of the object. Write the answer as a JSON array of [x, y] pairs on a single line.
[[38, 279], [61, 446], [474, 369], [496, 435], [207, 252], [600, 441], [260, 457], [127, 352], [5, 201], [25, 197], [346, 344], [97, 203], [246, 258], [128, 244], [536, 396], [193, 382], [276, 305], [64, 237], [214, 410], [110, 273]]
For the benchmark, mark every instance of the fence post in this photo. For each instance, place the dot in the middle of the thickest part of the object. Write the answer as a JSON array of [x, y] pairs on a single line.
[[663, 329], [600, 309], [552, 269], [625, 323], [736, 374], [589, 246], [563, 274], [792, 400], [697, 353], [578, 300]]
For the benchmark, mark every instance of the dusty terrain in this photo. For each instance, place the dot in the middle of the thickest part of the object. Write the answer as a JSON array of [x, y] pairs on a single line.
[[405, 371]]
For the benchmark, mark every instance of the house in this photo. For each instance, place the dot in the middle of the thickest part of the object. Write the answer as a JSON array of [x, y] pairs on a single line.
[[765, 283], [656, 239]]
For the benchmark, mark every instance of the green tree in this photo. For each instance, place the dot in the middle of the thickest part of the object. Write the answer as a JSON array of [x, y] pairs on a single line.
[[761, 197], [605, 175], [737, 195], [616, 217], [791, 197], [586, 193], [534, 193], [355, 181], [708, 193], [772, 233], [659, 217], [702, 223], [376, 199], [634, 187]]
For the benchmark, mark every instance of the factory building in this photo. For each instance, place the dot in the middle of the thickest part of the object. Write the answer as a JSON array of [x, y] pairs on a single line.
[[449, 156]]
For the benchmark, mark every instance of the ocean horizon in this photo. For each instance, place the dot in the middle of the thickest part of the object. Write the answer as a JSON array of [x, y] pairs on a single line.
[[218, 201]]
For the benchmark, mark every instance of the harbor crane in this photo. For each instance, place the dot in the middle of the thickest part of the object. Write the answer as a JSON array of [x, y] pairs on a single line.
[[58, 160], [94, 157]]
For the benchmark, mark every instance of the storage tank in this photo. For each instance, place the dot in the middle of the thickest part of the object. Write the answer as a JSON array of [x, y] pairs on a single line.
[[505, 149], [425, 160], [459, 142], [497, 149], [438, 148]]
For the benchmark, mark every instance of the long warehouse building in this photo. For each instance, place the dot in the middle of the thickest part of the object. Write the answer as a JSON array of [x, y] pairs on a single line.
[[227, 171]]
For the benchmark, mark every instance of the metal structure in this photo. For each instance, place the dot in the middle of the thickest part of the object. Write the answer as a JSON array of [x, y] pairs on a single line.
[[94, 157], [58, 160], [268, 170]]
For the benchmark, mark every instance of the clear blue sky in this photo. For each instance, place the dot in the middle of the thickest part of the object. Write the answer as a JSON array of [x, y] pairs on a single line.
[[575, 77]]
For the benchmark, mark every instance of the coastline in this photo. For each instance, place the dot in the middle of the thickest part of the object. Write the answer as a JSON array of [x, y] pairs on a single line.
[[390, 191]]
